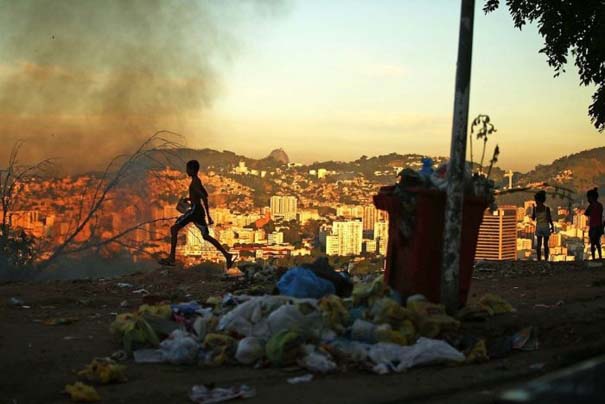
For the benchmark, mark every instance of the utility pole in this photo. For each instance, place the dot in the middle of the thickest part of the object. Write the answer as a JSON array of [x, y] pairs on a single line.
[[456, 169]]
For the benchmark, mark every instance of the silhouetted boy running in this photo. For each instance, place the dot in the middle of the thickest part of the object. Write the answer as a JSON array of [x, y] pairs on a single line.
[[196, 215], [595, 221]]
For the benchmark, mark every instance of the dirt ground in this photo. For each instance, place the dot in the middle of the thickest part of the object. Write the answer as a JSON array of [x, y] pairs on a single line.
[[566, 301]]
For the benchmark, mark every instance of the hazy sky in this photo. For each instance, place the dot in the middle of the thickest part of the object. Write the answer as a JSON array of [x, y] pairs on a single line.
[[338, 79], [322, 79]]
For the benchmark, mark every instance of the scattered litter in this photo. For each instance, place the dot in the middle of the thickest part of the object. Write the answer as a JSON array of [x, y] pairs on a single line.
[[60, 321], [124, 285], [526, 339], [104, 371], [124, 303], [148, 356], [15, 301], [301, 379], [140, 291], [119, 355], [82, 393], [549, 306], [202, 394], [537, 366]]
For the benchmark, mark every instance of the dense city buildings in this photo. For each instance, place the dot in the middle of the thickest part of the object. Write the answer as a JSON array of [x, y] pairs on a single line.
[[263, 212]]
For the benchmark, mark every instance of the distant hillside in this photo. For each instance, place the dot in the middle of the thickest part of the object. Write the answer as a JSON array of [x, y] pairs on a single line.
[[580, 171]]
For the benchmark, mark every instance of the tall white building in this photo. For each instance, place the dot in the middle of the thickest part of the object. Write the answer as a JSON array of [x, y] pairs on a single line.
[[381, 235], [346, 238], [283, 207]]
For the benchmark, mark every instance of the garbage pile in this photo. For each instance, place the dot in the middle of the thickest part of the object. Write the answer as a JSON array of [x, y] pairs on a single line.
[[319, 325], [428, 178]]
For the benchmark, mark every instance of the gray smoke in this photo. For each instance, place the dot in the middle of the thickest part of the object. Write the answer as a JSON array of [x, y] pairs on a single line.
[[86, 80]]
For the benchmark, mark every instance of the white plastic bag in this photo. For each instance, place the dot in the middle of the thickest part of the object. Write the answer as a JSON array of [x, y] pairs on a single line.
[[180, 348], [249, 350], [425, 351], [316, 361]]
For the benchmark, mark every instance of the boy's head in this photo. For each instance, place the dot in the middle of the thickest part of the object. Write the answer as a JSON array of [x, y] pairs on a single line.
[[193, 166], [592, 195], [540, 196]]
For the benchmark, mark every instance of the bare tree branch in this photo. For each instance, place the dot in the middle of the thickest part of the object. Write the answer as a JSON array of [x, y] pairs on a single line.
[[107, 183]]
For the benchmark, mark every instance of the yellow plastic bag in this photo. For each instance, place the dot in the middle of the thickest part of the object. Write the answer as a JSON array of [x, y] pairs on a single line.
[[431, 319], [384, 333], [368, 293], [104, 370], [82, 393], [478, 354], [334, 312], [390, 312], [222, 348], [496, 304], [163, 311], [132, 329]]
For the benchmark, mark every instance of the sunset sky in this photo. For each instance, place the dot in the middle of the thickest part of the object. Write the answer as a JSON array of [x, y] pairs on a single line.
[[321, 79]]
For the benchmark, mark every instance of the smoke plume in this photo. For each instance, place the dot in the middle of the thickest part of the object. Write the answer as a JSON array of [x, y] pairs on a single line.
[[86, 80]]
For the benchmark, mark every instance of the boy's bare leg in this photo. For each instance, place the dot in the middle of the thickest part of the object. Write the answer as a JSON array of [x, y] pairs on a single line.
[[218, 246], [539, 248], [174, 232]]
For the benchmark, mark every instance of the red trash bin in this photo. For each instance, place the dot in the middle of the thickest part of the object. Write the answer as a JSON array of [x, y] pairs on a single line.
[[414, 266]]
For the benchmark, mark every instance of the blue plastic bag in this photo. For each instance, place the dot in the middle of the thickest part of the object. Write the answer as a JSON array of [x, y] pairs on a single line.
[[303, 283]]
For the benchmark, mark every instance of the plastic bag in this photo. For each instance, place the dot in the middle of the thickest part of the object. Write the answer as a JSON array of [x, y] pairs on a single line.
[[134, 331], [368, 293], [249, 319], [249, 350], [157, 310], [425, 351], [363, 331], [495, 304], [431, 319], [334, 312], [202, 394], [303, 283], [82, 393], [290, 317], [219, 349], [104, 371], [283, 348], [318, 362], [180, 348], [388, 311]]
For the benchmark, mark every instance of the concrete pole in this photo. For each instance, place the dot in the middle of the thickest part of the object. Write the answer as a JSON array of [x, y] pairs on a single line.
[[455, 188]]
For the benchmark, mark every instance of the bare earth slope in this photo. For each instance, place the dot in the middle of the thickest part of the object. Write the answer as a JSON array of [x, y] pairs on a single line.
[[565, 301]]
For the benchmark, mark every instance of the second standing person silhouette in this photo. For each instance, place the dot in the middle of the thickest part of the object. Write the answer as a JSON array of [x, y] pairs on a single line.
[[544, 224]]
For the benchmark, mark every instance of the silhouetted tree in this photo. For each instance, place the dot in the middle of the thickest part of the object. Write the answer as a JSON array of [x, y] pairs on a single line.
[[576, 26]]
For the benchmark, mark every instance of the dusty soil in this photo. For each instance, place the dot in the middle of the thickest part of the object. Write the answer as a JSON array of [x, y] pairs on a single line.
[[565, 301]]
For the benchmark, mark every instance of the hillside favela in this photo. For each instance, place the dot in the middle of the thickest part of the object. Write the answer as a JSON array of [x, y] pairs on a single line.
[[302, 201], [273, 208]]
